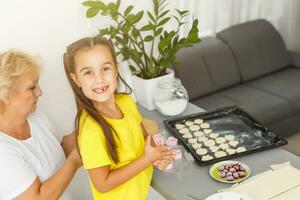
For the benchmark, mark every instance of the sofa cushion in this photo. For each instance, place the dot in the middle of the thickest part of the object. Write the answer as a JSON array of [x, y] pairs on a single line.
[[284, 84], [264, 107], [220, 63], [207, 67], [214, 101], [194, 75], [258, 48]]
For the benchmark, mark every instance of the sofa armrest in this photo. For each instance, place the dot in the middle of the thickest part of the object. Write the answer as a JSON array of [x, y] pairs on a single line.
[[295, 58]]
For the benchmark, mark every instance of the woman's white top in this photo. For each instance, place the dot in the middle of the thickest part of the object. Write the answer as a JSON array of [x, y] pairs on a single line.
[[22, 161]]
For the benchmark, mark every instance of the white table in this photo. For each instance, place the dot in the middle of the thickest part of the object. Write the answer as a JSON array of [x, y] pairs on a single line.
[[197, 181]]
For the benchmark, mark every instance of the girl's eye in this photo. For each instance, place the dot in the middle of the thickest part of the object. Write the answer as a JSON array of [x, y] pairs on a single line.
[[33, 88], [106, 68]]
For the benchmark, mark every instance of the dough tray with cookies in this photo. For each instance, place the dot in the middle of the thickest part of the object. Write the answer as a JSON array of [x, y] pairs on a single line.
[[222, 134]]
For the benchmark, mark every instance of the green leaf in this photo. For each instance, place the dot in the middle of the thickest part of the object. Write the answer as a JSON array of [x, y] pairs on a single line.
[[182, 13], [139, 16], [132, 19], [118, 4], [132, 68], [162, 22], [163, 14], [134, 55], [120, 40], [151, 16], [175, 40], [113, 31], [162, 2], [112, 6], [103, 32], [148, 38], [94, 4], [128, 10], [126, 28], [135, 33], [151, 72], [92, 12], [177, 19], [148, 27], [158, 32], [156, 7], [193, 34]]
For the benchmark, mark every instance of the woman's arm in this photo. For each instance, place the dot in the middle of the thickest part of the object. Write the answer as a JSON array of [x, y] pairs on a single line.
[[68, 143], [105, 180], [55, 185]]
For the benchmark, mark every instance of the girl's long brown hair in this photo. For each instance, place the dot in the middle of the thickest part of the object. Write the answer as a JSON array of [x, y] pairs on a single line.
[[82, 102]]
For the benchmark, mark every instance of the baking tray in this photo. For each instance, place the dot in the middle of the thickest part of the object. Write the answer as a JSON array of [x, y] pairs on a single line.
[[250, 135]]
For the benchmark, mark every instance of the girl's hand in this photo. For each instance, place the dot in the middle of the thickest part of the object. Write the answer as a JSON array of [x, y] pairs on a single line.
[[166, 159], [75, 157], [161, 153]]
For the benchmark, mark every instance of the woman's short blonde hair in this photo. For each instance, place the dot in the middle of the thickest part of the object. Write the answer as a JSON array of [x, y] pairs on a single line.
[[14, 65]]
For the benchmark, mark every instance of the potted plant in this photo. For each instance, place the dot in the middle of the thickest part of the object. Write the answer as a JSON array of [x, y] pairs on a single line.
[[149, 48]]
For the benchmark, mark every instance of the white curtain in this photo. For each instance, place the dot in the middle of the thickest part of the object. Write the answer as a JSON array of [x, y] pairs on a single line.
[[215, 15]]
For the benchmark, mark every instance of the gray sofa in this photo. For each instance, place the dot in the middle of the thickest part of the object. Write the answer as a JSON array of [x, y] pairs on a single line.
[[246, 65]]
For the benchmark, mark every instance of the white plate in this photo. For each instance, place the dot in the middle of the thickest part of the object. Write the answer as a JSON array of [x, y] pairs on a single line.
[[228, 196], [213, 171]]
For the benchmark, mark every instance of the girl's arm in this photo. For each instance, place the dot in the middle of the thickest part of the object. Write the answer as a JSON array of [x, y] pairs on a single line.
[[55, 185], [105, 180]]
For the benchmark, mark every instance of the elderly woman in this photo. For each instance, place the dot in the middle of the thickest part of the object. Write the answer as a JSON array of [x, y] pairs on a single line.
[[33, 164]]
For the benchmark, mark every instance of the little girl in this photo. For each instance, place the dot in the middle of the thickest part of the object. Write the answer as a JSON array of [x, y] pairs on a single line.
[[108, 125]]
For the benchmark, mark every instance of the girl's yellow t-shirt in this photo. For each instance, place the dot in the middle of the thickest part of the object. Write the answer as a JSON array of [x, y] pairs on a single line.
[[130, 146]]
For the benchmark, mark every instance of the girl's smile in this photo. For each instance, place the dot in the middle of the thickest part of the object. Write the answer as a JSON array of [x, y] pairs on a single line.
[[101, 90]]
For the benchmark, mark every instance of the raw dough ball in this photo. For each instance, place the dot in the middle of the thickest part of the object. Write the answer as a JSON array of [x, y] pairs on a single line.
[[213, 135], [184, 131], [204, 125], [224, 146], [241, 149], [207, 131], [188, 135], [202, 139], [196, 145], [220, 140], [194, 127], [179, 126], [201, 151], [206, 158], [192, 140], [229, 137], [198, 121], [214, 148], [230, 151], [198, 133], [220, 154], [189, 123], [233, 143], [209, 143]]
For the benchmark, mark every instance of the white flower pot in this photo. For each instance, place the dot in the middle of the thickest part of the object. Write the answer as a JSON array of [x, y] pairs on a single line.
[[144, 89]]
